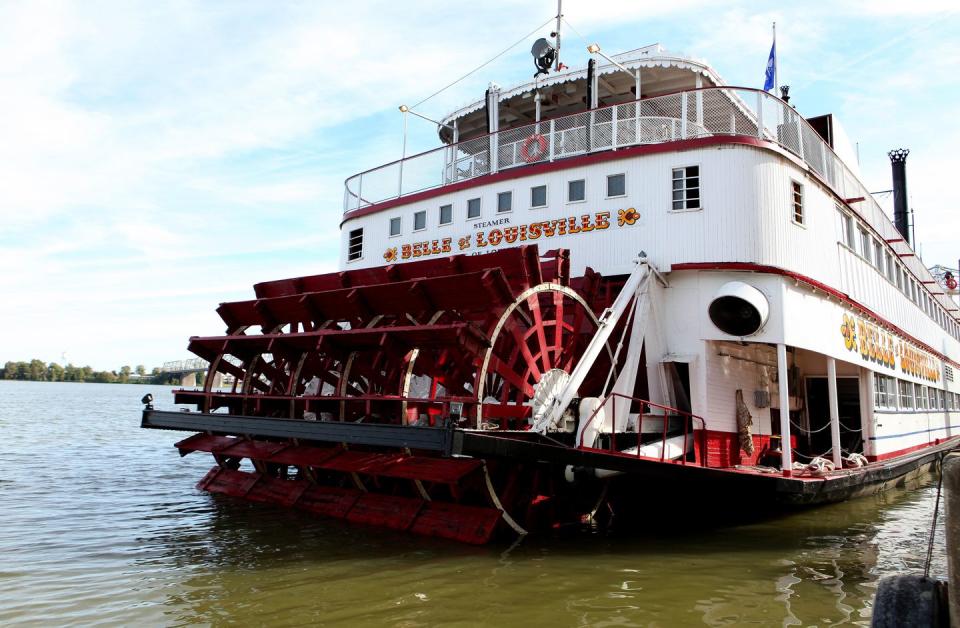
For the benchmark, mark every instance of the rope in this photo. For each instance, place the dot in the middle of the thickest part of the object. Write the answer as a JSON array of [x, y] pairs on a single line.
[[800, 429], [586, 43], [848, 428], [825, 426], [485, 63], [933, 525], [823, 455]]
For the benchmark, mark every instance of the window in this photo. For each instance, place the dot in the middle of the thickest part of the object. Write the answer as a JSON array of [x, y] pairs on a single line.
[[576, 191], [920, 397], [686, 188], [906, 395], [473, 208], [395, 226], [446, 214], [891, 269], [864, 244], [797, 203], [932, 398], [941, 401], [878, 255], [420, 220], [885, 395], [616, 185], [538, 196], [504, 202], [846, 227], [355, 245]]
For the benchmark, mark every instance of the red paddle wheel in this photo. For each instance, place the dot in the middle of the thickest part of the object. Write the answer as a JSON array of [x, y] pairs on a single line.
[[473, 342]]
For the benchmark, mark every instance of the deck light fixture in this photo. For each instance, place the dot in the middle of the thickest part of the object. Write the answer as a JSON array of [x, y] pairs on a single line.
[[406, 109], [594, 49]]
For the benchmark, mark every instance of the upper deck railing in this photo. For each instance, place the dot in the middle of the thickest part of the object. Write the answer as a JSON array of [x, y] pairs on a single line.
[[697, 113], [705, 112]]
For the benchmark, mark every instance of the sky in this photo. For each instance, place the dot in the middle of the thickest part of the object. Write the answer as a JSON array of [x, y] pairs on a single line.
[[158, 158]]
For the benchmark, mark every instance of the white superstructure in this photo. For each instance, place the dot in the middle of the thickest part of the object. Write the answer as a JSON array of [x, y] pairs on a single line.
[[713, 184]]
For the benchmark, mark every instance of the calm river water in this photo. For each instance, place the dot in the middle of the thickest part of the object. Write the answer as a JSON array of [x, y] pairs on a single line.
[[100, 524]]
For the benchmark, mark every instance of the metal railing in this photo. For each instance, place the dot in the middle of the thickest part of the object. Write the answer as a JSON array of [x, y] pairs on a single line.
[[705, 112], [645, 408]]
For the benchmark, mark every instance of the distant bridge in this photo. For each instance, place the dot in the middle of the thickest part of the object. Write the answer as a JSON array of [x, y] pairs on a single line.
[[193, 365], [188, 370]]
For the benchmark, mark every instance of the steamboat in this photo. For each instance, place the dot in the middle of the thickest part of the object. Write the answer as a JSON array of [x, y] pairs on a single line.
[[608, 287]]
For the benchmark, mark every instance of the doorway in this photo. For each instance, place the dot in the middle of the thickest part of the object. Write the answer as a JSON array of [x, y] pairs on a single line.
[[818, 440]]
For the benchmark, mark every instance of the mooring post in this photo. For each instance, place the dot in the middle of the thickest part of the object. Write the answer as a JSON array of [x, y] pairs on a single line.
[[951, 489]]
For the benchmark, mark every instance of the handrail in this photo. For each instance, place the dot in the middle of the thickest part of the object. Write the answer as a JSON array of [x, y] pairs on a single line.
[[688, 418]]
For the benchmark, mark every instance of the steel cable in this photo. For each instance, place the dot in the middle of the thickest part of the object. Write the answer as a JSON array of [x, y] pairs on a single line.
[[485, 63]]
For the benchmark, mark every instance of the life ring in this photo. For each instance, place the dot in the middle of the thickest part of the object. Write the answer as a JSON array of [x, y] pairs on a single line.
[[951, 283], [528, 143]]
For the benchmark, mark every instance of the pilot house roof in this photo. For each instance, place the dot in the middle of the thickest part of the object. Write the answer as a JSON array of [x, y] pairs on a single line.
[[565, 92]]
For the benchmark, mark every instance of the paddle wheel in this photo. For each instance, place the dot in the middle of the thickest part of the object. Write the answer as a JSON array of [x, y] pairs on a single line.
[[476, 343]]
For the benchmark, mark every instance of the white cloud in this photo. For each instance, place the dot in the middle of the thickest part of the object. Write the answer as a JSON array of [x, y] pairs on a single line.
[[160, 157]]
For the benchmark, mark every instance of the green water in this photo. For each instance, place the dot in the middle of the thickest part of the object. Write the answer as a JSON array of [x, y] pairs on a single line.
[[100, 524]]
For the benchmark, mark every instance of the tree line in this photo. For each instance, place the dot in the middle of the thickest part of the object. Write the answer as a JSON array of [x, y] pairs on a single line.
[[40, 371]]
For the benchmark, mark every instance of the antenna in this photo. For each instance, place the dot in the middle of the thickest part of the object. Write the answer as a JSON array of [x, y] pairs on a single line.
[[556, 62]]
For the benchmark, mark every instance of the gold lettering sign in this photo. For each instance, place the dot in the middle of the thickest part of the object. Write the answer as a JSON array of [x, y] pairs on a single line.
[[881, 347], [484, 240]]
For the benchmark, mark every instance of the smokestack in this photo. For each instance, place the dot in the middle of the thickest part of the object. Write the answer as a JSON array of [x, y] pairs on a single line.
[[898, 161]]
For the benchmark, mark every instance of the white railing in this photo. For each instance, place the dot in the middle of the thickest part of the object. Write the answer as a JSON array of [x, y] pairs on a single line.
[[651, 121], [680, 116]]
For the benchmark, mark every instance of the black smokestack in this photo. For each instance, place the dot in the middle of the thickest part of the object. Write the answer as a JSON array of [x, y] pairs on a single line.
[[898, 160]]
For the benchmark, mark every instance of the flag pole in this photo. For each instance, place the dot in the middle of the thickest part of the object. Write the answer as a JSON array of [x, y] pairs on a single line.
[[776, 86]]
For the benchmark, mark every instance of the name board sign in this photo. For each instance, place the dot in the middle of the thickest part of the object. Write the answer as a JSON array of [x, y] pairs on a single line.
[[486, 239], [881, 347]]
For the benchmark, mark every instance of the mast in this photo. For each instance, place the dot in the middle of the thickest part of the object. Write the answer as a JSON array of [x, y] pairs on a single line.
[[556, 61]]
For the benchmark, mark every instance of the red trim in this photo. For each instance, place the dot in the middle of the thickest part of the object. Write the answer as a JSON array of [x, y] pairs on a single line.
[[562, 164], [907, 255], [856, 199], [907, 450], [813, 283], [723, 448], [896, 240]]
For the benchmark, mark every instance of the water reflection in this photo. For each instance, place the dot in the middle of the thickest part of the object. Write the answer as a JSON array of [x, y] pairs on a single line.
[[102, 525]]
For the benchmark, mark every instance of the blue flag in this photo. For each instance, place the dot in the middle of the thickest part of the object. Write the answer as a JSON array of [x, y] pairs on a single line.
[[771, 68]]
